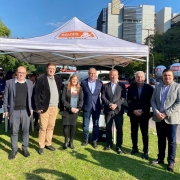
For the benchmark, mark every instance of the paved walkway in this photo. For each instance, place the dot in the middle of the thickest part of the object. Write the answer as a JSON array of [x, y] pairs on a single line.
[[152, 125]]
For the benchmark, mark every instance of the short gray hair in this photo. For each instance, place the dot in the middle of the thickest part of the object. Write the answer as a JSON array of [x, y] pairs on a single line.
[[138, 73], [113, 70]]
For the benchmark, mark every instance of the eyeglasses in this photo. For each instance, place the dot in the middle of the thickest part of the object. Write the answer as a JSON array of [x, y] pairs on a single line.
[[21, 73], [51, 69]]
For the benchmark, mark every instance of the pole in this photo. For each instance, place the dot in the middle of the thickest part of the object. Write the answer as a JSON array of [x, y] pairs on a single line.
[[152, 64], [147, 65], [147, 70]]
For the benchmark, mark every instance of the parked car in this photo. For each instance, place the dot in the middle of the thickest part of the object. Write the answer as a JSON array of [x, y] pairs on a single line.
[[65, 76], [103, 76], [126, 83], [152, 82]]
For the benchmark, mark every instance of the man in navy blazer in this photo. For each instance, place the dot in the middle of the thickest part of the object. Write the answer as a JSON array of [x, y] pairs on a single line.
[[91, 88], [18, 108]]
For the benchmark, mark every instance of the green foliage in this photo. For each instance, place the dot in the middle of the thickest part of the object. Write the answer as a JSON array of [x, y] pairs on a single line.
[[129, 70], [166, 47], [10, 63], [40, 68], [4, 31]]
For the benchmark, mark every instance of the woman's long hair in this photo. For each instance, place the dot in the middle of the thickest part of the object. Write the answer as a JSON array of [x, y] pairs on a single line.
[[69, 83]]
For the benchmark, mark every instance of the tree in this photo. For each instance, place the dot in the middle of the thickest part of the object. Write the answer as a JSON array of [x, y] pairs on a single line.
[[8, 62], [4, 31], [130, 70], [166, 47]]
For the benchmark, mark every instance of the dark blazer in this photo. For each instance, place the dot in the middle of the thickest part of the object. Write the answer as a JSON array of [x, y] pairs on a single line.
[[118, 98], [10, 93], [42, 92], [134, 102], [66, 100], [2, 87], [91, 100]]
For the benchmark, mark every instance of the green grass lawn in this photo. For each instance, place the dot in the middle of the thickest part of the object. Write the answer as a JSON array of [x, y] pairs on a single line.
[[84, 163]]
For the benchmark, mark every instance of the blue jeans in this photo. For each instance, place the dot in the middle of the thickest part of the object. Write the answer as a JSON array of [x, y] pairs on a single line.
[[166, 130], [95, 120]]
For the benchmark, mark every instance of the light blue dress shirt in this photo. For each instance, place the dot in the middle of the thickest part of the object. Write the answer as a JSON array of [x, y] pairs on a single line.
[[164, 92], [92, 85], [113, 87]]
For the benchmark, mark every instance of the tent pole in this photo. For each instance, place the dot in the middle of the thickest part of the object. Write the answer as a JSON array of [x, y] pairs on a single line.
[[147, 69]]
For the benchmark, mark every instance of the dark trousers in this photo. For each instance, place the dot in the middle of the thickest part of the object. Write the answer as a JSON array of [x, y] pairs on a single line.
[[118, 119], [95, 120], [36, 117], [72, 132], [143, 122], [168, 131], [1, 114], [19, 117], [1, 118]]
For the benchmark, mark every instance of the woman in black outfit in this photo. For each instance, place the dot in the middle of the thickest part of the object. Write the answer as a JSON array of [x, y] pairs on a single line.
[[72, 101]]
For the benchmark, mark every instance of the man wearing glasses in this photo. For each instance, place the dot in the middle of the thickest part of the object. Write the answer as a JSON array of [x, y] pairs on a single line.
[[47, 100], [18, 108]]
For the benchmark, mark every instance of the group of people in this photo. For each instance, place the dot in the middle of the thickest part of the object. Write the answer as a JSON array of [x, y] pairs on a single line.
[[91, 96]]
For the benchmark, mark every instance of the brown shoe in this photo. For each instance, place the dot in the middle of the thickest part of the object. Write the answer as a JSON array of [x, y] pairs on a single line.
[[170, 167]]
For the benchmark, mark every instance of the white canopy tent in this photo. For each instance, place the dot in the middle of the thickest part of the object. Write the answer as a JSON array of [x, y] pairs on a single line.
[[75, 43]]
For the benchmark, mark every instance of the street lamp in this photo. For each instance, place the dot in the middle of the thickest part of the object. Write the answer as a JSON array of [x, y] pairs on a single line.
[[153, 64]]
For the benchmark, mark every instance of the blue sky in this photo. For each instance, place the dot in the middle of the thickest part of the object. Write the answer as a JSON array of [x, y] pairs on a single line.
[[31, 18]]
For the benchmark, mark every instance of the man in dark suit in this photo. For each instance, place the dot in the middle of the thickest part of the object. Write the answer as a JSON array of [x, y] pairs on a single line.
[[113, 96], [18, 108], [91, 88], [138, 97], [47, 100]]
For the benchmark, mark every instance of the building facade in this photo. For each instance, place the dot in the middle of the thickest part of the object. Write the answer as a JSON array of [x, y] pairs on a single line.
[[131, 23]]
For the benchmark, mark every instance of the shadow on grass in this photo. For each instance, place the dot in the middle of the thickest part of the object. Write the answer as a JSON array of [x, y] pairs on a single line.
[[36, 175], [3, 144], [137, 168]]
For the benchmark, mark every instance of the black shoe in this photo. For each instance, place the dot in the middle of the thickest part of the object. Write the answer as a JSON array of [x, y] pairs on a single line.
[[41, 151], [85, 143], [94, 144], [71, 145], [158, 161], [145, 156], [12, 155], [119, 151], [51, 148], [65, 145], [108, 147], [170, 167], [26, 153], [35, 124], [133, 151]]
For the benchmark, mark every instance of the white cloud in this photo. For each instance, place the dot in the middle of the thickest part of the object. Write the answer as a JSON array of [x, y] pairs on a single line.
[[55, 24]]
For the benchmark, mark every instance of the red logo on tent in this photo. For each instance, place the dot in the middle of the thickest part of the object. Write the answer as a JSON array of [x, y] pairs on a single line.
[[77, 35]]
